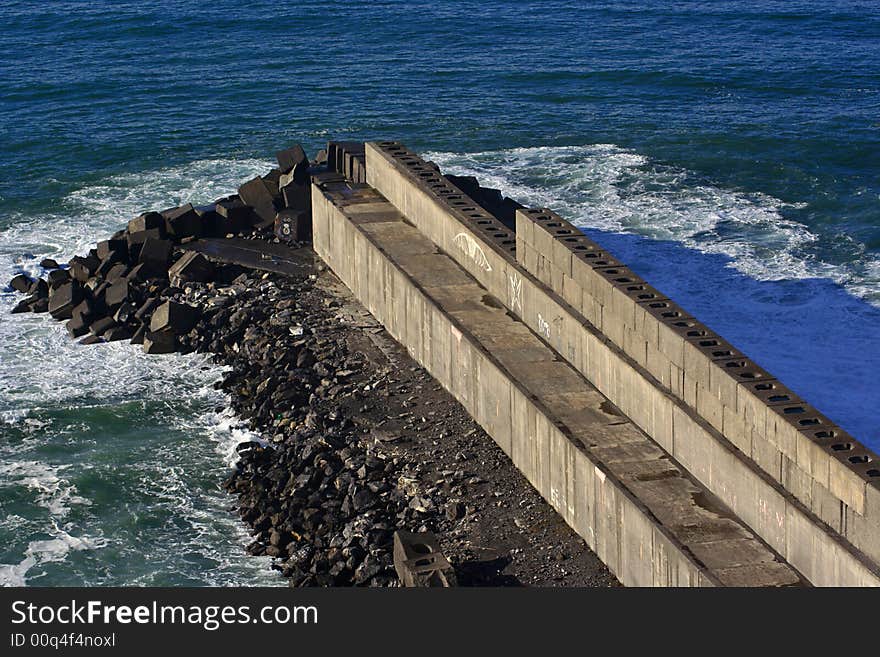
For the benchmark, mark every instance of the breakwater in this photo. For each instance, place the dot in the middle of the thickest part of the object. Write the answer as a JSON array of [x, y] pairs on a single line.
[[678, 460]]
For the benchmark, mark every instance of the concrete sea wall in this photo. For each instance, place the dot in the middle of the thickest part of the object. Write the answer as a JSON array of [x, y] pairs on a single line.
[[804, 486]]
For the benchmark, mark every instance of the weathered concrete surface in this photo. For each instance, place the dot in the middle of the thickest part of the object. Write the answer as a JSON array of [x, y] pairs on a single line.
[[637, 508], [254, 254], [657, 397]]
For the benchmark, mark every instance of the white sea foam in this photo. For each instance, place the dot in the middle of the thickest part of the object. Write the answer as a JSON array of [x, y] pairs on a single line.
[[44, 372], [608, 188]]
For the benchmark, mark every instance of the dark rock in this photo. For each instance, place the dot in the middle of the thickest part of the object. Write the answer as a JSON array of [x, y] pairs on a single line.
[[175, 318], [162, 342], [117, 293], [99, 326], [146, 308], [290, 158], [117, 333], [182, 222], [22, 306], [154, 255], [21, 282], [136, 240], [297, 196], [125, 313], [77, 326], [257, 194], [235, 216], [48, 263], [147, 221], [40, 305], [39, 288], [82, 269], [92, 339], [113, 248], [117, 272], [57, 276], [193, 267], [64, 298]]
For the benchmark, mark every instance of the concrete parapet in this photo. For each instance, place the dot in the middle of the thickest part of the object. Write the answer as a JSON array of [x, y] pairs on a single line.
[[658, 365]]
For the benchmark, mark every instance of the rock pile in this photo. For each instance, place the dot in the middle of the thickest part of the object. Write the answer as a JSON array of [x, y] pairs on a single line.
[[123, 289]]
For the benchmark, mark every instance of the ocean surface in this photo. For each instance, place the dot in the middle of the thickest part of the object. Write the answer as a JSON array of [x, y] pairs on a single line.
[[728, 151]]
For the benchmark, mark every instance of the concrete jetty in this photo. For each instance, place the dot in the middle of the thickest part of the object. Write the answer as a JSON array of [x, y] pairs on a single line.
[[677, 458]]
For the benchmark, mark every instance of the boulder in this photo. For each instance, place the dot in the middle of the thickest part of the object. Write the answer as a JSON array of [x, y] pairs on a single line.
[[146, 308], [125, 313], [39, 288], [92, 339], [159, 343], [182, 222], [297, 196], [257, 194], [21, 282], [138, 335], [117, 272], [64, 298], [235, 217], [117, 333], [272, 181], [118, 293], [193, 267], [99, 326], [22, 306], [49, 263], [147, 221], [112, 248], [57, 276], [174, 317], [84, 309], [154, 256], [40, 305], [83, 268], [291, 158], [77, 326]]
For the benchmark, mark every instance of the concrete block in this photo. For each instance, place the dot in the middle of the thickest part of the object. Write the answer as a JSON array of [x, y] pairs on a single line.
[[584, 498], [154, 255], [293, 159], [256, 193], [191, 267], [767, 456], [710, 408], [174, 317], [64, 298], [845, 483], [419, 561], [736, 430], [147, 221], [609, 520], [182, 222], [235, 217], [797, 482]]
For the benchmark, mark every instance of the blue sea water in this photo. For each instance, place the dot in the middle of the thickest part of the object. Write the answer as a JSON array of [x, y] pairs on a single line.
[[728, 151]]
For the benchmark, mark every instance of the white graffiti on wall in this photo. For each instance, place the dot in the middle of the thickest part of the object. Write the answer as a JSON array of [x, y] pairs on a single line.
[[543, 326], [473, 250], [515, 292]]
